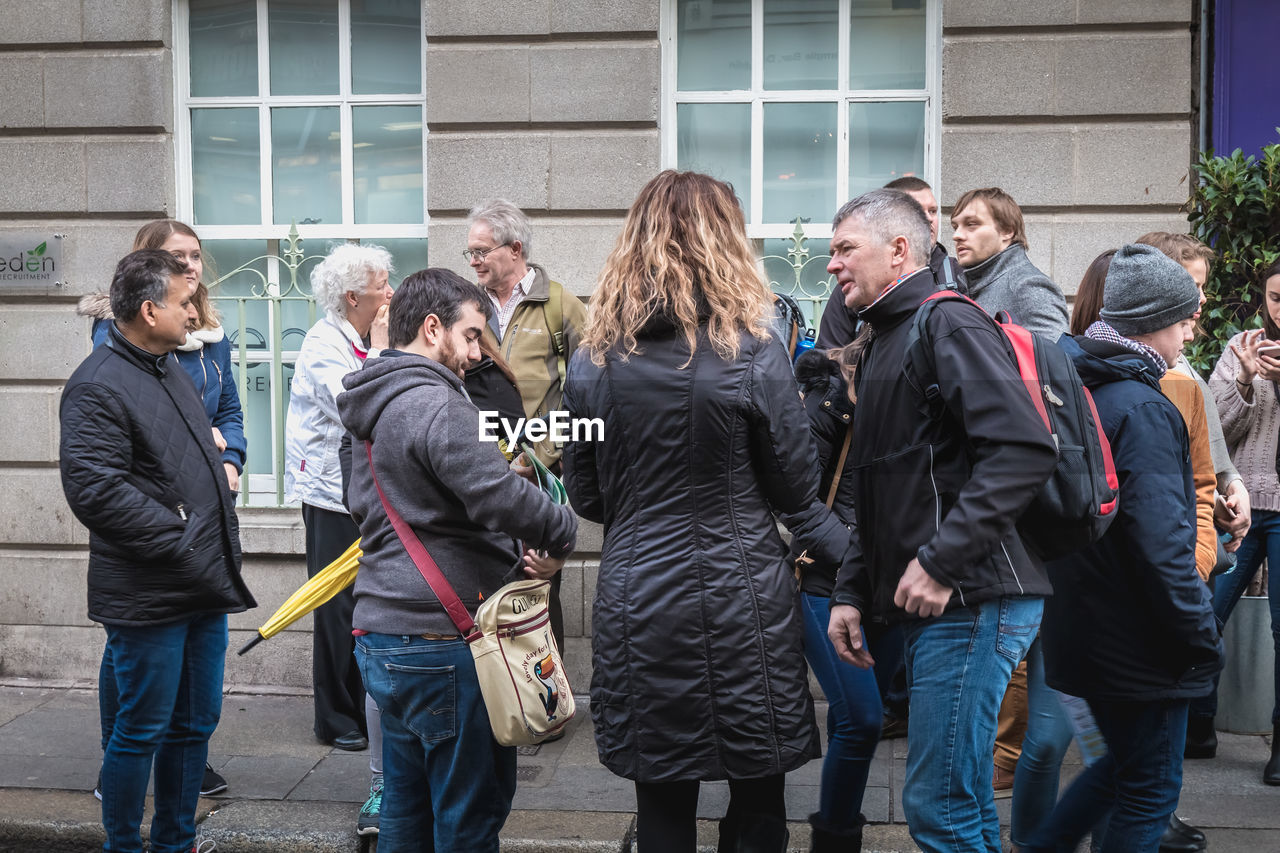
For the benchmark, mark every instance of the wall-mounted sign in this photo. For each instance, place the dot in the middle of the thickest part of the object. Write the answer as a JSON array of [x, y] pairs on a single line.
[[31, 259]]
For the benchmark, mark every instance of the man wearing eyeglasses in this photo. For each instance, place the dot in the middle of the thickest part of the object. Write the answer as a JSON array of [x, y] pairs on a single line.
[[535, 324]]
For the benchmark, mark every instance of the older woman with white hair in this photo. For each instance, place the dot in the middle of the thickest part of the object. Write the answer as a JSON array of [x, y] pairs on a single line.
[[351, 287]]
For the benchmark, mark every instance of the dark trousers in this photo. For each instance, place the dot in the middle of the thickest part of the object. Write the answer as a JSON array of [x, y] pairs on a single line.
[[667, 812], [339, 692]]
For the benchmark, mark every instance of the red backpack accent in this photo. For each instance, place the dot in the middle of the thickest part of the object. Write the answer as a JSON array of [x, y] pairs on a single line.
[[1078, 502]]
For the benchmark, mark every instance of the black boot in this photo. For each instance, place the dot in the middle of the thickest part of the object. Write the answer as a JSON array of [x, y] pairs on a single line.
[[1202, 740], [825, 839], [1187, 829], [730, 830], [1175, 840], [1271, 773], [762, 833]]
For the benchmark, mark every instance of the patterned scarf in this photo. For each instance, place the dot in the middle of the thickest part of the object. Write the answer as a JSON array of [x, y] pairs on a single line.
[[1102, 331]]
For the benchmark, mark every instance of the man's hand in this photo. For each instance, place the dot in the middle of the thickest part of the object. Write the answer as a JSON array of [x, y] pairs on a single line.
[[522, 466], [378, 337], [539, 566], [233, 477], [1237, 500], [919, 594], [845, 633]]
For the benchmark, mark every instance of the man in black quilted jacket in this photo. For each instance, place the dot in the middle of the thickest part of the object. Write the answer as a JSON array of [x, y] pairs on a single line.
[[141, 471]]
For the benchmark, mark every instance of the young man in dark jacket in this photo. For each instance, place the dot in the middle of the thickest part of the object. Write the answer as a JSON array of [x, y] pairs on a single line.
[[1130, 627], [444, 774], [937, 494], [140, 469]]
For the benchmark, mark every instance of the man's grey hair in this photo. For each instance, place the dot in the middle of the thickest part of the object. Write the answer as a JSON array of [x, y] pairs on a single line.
[[347, 267], [506, 222], [888, 214], [142, 276]]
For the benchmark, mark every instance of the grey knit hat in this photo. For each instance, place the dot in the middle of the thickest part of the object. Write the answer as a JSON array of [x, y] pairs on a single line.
[[1146, 291]]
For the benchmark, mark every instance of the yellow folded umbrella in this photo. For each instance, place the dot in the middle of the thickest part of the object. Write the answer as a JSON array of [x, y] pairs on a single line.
[[327, 583]]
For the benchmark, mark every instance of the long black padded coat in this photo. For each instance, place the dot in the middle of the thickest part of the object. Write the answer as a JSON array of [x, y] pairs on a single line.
[[141, 471], [698, 670]]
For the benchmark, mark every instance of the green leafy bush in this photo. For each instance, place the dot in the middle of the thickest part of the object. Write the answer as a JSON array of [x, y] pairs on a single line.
[[1235, 208]]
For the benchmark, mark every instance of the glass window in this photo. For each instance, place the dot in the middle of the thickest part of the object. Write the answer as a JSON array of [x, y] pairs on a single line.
[[801, 44], [887, 44], [226, 180], [306, 165], [716, 139], [713, 48], [386, 46], [799, 161], [388, 163], [224, 48], [803, 105], [331, 141], [304, 47], [886, 141]]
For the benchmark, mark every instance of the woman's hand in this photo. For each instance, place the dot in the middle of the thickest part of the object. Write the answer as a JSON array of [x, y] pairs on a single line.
[[233, 478], [1247, 354], [219, 440], [538, 566], [378, 337]]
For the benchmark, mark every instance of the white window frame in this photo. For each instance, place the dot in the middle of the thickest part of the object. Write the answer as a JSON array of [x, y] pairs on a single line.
[[344, 100], [842, 96]]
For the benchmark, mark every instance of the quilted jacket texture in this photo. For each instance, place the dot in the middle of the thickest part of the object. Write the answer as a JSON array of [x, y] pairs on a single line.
[[141, 471]]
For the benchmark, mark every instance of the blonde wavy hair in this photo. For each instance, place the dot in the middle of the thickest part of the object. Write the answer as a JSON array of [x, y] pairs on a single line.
[[154, 235], [683, 252]]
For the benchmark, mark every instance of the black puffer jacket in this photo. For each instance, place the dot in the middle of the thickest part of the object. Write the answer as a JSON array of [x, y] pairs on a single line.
[[136, 456], [698, 671], [945, 489]]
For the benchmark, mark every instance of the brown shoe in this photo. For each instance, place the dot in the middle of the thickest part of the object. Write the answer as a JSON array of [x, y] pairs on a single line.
[[1002, 782]]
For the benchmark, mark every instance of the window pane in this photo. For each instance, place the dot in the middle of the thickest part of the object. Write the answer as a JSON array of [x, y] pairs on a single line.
[[799, 161], [886, 44], [306, 174], [886, 141], [716, 139], [388, 164], [224, 48], [225, 166], [386, 47], [713, 45], [409, 256], [304, 46], [801, 44], [808, 285]]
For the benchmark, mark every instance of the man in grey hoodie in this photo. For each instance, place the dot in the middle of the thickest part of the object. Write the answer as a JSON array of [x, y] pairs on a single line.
[[991, 246], [445, 775]]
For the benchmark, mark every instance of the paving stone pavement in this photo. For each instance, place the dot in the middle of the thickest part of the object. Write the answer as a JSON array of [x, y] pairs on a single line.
[[289, 793]]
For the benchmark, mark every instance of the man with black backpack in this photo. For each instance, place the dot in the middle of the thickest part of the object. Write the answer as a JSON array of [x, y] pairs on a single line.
[[937, 495]]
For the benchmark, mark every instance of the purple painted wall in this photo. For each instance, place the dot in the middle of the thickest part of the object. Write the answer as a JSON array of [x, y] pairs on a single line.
[[1246, 75]]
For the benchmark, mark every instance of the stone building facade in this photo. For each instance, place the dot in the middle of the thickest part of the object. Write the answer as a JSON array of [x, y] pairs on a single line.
[[1084, 110]]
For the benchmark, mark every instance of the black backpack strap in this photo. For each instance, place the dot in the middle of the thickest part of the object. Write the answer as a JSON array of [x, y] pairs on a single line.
[[919, 367]]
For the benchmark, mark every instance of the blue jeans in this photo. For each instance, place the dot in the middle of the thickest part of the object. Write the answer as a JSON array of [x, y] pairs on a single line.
[[853, 720], [168, 690], [1049, 733], [447, 784], [1137, 781], [1262, 541], [958, 666]]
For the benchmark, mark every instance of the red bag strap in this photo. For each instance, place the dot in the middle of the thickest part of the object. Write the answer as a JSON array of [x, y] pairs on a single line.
[[426, 565]]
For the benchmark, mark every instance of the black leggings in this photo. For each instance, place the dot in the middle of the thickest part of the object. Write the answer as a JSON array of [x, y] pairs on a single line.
[[667, 812]]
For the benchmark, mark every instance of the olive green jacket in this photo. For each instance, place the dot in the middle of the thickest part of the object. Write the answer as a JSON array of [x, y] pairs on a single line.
[[530, 348]]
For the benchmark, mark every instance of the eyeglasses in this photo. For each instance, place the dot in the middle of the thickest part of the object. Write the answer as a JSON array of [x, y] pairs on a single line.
[[473, 255]]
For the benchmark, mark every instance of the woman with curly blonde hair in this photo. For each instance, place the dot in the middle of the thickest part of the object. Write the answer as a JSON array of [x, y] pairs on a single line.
[[698, 669]]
